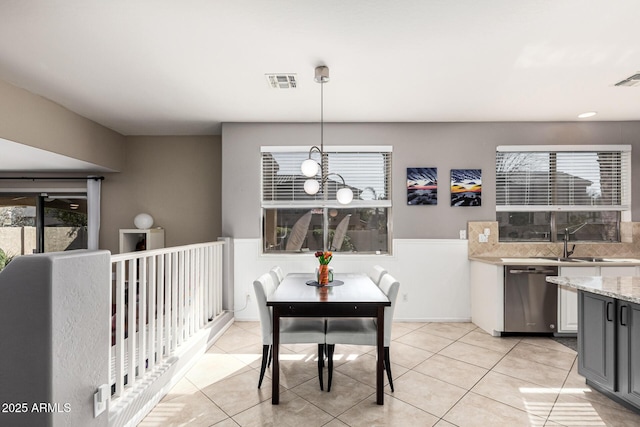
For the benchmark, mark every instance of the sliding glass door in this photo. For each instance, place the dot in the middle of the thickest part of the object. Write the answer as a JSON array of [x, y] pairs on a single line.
[[65, 223], [34, 223], [17, 225]]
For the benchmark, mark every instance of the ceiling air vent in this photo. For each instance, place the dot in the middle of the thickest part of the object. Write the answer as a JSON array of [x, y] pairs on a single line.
[[630, 81], [282, 81]]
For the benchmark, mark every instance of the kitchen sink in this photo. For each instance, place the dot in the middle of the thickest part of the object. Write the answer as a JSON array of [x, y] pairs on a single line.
[[581, 259], [559, 259]]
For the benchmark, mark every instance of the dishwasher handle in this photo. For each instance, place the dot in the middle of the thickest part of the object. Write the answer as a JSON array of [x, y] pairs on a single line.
[[545, 272]]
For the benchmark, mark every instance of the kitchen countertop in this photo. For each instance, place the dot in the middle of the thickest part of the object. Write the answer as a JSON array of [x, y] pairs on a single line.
[[574, 262], [622, 288]]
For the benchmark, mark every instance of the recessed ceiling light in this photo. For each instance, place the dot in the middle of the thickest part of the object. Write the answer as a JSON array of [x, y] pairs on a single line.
[[587, 114]]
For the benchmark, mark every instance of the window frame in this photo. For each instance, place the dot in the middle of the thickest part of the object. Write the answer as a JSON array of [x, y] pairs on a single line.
[[329, 203], [623, 173]]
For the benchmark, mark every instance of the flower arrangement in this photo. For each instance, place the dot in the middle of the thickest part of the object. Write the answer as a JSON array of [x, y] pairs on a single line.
[[324, 257]]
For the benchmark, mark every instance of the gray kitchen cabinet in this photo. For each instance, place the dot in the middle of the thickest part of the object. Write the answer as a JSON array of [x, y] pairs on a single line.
[[609, 346], [628, 324], [596, 339]]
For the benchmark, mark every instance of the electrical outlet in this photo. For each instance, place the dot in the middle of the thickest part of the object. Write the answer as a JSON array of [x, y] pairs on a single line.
[[405, 297], [487, 231], [483, 238], [463, 234]]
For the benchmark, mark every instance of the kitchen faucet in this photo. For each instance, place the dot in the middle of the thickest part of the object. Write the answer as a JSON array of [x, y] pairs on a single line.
[[566, 253]]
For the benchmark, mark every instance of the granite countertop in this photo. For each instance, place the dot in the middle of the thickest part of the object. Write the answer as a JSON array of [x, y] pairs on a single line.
[[574, 261], [626, 288]]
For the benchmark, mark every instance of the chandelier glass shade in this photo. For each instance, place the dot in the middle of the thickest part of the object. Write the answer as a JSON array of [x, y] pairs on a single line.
[[310, 168], [311, 186], [344, 196]]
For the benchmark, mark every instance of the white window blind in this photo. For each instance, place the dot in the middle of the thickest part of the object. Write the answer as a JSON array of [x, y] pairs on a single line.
[[563, 178], [366, 171]]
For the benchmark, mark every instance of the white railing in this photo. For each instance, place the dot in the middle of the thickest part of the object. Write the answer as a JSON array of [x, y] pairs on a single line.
[[179, 290]]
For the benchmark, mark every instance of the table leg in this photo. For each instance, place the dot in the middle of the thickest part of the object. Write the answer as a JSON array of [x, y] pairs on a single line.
[[275, 371], [380, 364]]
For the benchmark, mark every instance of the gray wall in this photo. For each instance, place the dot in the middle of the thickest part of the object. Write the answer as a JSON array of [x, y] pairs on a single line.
[[443, 145], [175, 179]]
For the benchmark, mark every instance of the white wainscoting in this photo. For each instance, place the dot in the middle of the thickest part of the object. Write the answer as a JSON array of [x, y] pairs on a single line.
[[433, 275]]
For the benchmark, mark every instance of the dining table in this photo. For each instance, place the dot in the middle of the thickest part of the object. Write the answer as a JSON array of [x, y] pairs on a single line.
[[348, 295]]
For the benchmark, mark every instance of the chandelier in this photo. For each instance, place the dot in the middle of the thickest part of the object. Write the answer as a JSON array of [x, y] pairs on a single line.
[[310, 168]]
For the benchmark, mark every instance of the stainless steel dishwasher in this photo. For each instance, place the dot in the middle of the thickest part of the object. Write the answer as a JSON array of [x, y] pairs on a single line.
[[530, 302]]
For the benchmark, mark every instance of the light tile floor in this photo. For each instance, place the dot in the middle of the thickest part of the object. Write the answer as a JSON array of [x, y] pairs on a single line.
[[445, 374]]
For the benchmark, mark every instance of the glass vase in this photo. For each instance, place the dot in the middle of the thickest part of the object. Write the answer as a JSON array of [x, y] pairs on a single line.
[[323, 274]]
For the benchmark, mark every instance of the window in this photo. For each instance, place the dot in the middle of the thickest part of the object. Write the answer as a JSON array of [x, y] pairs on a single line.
[[546, 191], [294, 221], [32, 223], [58, 212], [65, 222]]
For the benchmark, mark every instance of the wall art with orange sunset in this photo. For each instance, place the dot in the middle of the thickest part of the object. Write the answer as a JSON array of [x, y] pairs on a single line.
[[466, 187]]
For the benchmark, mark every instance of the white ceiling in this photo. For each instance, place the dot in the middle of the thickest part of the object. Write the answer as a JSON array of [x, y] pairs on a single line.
[[170, 67]]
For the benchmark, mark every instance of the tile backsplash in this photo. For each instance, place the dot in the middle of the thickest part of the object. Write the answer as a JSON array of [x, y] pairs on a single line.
[[628, 247]]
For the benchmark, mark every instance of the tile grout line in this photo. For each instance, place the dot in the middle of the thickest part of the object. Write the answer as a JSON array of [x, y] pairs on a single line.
[[558, 396], [476, 383], [486, 397], [532, 413]]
